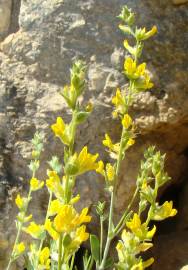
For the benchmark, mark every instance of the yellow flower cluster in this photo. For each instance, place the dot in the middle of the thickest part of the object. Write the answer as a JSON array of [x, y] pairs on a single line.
[[35, 230], [108, 173], [35, 184], [109, 144], [139, 229], [68, 222], [81, 163], [137, 73], [134, 242]]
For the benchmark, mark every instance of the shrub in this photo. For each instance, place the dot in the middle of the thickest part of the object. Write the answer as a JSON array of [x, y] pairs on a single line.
[[63, 225]]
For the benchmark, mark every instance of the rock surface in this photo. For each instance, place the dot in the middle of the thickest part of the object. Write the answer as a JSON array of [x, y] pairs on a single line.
[[35, 61], [5, 16]]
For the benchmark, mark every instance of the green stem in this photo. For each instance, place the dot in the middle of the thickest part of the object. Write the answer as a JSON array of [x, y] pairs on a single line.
[[123, 218], [73, 131], [101, 237], [110, 223], [137, 45], [109, 236], [15, 243], [72, 262], [67, 193], [66, 188], [60, 252], [90, 266], [149, 215]]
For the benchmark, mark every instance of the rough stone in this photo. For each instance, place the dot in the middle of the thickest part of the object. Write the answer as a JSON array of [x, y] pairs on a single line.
[[5, 16], [35, 62]]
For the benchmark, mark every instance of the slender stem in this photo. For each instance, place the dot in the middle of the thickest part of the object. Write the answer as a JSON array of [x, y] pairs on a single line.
[[73, 131], [110, 223], [89, 267], [72, 262], [66, 188], [15, 243], [120, 157], [122, 220], [60, 252], [101, 237], [137, 46], [109, 237]]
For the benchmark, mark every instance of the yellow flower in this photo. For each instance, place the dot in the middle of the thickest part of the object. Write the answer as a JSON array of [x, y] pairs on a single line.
[[34, 230], [110, 172], [20, 202], [19, 248], [119, 102], [108, 143], [55, 207], [44, 259], [130, 66], [132, 70], [127, 121], [120, 249], [100, 168], [137, 73], [22, 218], [83, 218], [80, 236], [54, 184], [135, 223], [50, 230], [152, 32], [164, 211], [139, 229], [141, 34], [75, 199], [61, 130], [148, 263], [36, 184], [64, 221], [87, 161], [130, 49], [144, 246], [68, 219], [142, 265], [81, 163]]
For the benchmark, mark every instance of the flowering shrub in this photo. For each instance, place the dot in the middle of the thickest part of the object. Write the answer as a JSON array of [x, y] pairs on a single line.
[[63, 231]]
